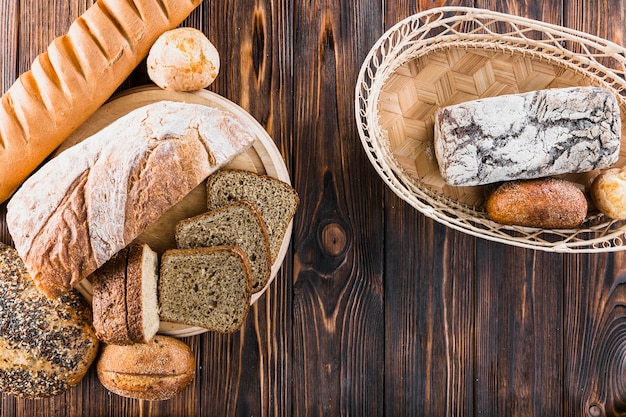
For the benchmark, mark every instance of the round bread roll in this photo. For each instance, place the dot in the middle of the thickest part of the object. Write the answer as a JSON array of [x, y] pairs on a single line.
[[157, 370], [608, 193], [546, 203], [183, 59], [46, 346]]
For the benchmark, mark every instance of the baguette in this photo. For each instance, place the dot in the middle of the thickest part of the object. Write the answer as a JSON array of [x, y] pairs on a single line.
[[76, 75]]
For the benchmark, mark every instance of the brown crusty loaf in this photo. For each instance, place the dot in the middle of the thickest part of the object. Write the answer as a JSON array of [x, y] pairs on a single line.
[[142, 309], [109, 300], [205, 287], [46, 346], [76, 75], [277, 201], [547, 203], [93, 199], [236, 224], [124, 296], [157, 370]]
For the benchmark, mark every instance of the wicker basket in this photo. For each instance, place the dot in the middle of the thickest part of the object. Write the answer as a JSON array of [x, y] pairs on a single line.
[[450, 55]]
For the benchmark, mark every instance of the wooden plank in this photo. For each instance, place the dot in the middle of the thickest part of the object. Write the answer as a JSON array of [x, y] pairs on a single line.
[[338, 334], [429, 299], [595, 285]]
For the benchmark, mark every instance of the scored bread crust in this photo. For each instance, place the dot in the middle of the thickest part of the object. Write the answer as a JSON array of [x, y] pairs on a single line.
[[77, 74], [156, 370], [96, 197], [110, 317]]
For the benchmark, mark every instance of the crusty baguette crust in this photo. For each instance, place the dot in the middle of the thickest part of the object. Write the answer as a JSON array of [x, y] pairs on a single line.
[[76, 75], [157, 370]]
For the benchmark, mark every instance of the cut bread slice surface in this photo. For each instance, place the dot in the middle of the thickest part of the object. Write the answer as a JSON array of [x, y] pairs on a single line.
[[205, 287], [141, 293], [109, 300], [235, 224], [276, 200]]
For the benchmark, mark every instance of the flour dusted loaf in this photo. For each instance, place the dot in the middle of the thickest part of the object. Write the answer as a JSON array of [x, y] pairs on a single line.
[[530, 135], [547, 203], [75, 76], [93, 199], [46, 346], [205, 287], [237, 224], [153, 371], [276, 200]]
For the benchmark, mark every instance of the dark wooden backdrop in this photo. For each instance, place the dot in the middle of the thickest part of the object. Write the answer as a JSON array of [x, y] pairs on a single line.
[[377, 310]]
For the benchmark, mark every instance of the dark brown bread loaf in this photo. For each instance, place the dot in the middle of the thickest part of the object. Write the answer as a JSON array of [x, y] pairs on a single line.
[[547, 203], [46, 346], [93, 199], [76, 75]]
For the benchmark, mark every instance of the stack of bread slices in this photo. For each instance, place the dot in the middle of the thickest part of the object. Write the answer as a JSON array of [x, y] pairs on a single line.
[[223, 256]]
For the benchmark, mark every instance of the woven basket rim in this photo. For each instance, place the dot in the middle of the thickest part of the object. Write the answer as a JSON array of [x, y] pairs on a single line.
[[398, 45]]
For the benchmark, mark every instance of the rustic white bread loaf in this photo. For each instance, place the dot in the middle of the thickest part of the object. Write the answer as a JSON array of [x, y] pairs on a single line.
[[205, 287], [276, 200], [157, 370], [93, 199], [76, 75], [236, 224], [46, 346]]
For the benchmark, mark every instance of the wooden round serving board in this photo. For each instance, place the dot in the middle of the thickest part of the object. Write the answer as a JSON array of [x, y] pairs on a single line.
[[263, 158]]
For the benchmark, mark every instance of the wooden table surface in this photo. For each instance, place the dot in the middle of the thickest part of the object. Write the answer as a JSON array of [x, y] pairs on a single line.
[[377, 310]]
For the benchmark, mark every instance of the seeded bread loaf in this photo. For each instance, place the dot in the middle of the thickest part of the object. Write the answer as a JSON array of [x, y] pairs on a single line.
[[205, 287], [46, 346], [277, 201], [236, 224], [76, 75], [93, 199], [153, 371]]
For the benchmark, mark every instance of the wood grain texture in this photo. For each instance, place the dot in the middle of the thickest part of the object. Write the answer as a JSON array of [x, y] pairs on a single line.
[[378, 310]]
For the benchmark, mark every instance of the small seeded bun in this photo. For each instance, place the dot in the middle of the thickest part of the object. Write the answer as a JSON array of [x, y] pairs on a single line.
[[183, 59], [608, 193]]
